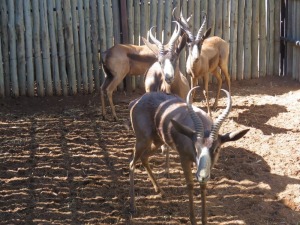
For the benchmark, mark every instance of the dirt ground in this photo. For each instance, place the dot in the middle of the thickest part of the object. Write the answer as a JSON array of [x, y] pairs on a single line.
[[60, 163]]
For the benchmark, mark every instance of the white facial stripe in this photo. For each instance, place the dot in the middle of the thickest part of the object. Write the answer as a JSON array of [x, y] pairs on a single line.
[[168, 69], [195, 52], [204, 164]]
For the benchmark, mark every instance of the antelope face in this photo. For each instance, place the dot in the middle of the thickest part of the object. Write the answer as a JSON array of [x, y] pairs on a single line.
[[168, 63]]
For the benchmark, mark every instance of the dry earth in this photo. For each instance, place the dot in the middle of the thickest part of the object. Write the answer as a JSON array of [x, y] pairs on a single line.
[[61, 164]]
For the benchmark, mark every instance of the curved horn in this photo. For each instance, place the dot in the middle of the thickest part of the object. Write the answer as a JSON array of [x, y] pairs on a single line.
[[200, 31], [216, 126], [175, 36], [156, 42], [185, 26], [197, 121]]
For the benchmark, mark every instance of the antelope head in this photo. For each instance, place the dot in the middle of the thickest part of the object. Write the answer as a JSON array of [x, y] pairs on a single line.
[[167, 55]]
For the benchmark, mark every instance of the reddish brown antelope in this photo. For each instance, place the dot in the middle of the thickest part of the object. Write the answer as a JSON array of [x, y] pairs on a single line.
[[158, 118], [120, 61], [206, 55]]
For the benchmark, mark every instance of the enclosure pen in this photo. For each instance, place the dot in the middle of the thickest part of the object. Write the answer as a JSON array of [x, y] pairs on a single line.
[[247, 40]]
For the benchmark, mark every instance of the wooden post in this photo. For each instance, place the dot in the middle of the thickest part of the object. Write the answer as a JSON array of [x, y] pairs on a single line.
[[270, 39], [219, 18], [159, 24], [130, 81], [12, 48], [247, 39], [136, 34], [226, 20], [277, 25], [240, 40], [294, 48], [2, 89], [167, 21], [144, 26], [88, 45], [102, 32], [183, 54], [262, 39], [153, 13], [69, 47], [95, 47], [5, 46], [190, 11], [54, 59], [20, 30], [83, 57], [28, 48], [197, 16], [76, 45], [109, 23], [37, 48], [211, 16], [61, 49], [45, 48], [254, 38], [233, 39]]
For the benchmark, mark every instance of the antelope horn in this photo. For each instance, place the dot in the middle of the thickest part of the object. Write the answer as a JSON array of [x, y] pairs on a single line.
[[175, 36], [185, 26], [200, 31], [156, 42], [197, 121], [216, 126]]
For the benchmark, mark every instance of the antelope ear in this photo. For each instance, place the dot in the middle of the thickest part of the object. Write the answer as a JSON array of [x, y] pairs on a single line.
[[183, 129], [152, 47], [181, 45], [207, 33], [233, 136]]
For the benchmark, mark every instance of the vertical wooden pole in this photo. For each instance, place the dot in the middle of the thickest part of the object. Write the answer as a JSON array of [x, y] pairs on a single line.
[[28, 48], [226, 20], [2, 89], [82, 42], [136, 34], [240, 40], [262, 39], [277, 38], [109, 23], [183, 54], [219, 18], [87, 27], [76, 44], [69, 47], [211, 16], [294, 34], [46, 48], [12, 48], [233, 38], [254, 38], [153, 13], [159, 21], [37, 48], [20, 30], [144, 27], [61, 49], [167, 21], [102, 32], [247, 39], [131, 84], [197, 16], [94, 26], [54, 59], [5, 46], [270, 38]]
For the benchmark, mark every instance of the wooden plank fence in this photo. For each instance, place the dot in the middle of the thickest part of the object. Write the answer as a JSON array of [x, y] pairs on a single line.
[[51, 47]]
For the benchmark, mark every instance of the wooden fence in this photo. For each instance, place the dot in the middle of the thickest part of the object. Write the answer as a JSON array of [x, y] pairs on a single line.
[[290, 37], [51, 47]]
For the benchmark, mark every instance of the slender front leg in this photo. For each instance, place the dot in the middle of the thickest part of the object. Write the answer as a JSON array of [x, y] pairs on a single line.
[[103, 105], [219, 80], [166, 150], [203, 204], [205, 92]]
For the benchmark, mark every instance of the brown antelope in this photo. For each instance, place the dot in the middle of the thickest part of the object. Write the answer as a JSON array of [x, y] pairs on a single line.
[[164, 75], [206, 55], [120, 61], [158, 118]]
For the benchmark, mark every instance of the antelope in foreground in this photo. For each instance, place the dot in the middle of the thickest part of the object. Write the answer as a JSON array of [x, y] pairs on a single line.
[[120, 61], [206, 54], [158, 118]]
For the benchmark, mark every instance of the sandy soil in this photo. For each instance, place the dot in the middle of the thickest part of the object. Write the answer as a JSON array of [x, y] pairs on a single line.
[[61, 164]]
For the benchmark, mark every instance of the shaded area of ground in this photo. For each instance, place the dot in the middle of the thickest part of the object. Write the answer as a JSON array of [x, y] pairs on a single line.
[[61, 164]]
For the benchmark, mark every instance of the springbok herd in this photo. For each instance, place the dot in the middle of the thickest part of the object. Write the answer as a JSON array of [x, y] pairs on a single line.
[[161, 117]]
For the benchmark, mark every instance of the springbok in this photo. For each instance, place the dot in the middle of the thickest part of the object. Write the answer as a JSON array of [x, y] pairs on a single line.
[[118, 62], [158, 118], [164, 75], [206, 55]]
